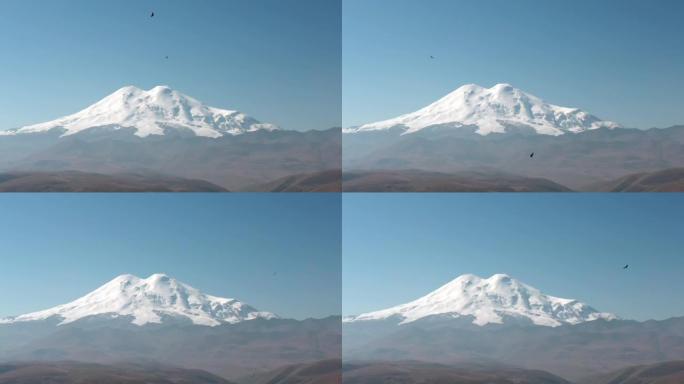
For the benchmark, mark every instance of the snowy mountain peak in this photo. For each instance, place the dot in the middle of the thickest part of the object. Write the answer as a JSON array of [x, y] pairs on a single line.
[[147, 301], [490, 301], [150, 113], [493, 110]]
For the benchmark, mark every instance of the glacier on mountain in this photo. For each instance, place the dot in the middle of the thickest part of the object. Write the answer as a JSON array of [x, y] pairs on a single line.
[[148, 301], [150, 113], [492, 110], [489, 301]]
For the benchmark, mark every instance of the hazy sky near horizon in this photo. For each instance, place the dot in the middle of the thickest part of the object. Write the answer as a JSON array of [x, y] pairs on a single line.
[[276, 60], [399, 247], [620, 60], [276, 252]]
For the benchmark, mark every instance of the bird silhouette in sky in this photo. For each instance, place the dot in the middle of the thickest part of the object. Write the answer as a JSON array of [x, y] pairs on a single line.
[[166, 57], [432, 57], [626, 266], [531, 154], [152, 14]]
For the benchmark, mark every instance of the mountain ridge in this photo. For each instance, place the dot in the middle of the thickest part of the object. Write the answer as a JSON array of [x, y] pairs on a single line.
[[573, 352], [578, 161]]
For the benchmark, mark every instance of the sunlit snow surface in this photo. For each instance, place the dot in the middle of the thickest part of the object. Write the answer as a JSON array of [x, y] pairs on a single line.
[[146, 301], [149, 112], [488, 301], [491, 110]]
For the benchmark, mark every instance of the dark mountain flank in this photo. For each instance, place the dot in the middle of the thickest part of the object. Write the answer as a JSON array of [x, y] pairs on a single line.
[[573, 352], [425, 181], [318, 372], [580, 161], [324, 181], [668, 180], [74, 181], [85, 373], [232, 162], [671, 372], [416, 372], [230, 351]]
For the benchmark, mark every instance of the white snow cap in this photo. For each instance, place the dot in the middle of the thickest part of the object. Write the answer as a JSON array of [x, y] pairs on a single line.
[[488, 301], [491, 109], [148, 112], [146, 300]]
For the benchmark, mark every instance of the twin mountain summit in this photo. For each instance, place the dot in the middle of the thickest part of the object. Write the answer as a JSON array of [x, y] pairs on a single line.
[[151, 300], [163, 134], [489, 324], [472, 139]]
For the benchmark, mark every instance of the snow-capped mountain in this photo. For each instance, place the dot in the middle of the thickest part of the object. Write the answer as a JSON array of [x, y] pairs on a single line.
[[149, 301], [492, 110], [150, 113], [490, 301]]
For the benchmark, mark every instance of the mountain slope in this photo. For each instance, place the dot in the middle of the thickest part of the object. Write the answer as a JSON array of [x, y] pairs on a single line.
[[666, 180], [424, 181], [233, 162], [493, 110], [571, 351], [85, 373], [74, 181], [671, 372], [150, 113], [318, 372], [229, 350], [490, 301], [573, 160], [148, 301], [417, 372], [324, 181]]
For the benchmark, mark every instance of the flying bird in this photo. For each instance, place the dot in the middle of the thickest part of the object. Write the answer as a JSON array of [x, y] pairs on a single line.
[[532, 154], [152, 14], [626, 266], [432, 57], [166, 57]]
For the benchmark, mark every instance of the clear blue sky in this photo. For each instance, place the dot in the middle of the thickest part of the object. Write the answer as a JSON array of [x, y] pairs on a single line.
[[621, 60], [398, 247], [276, 60], [56, 248]]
